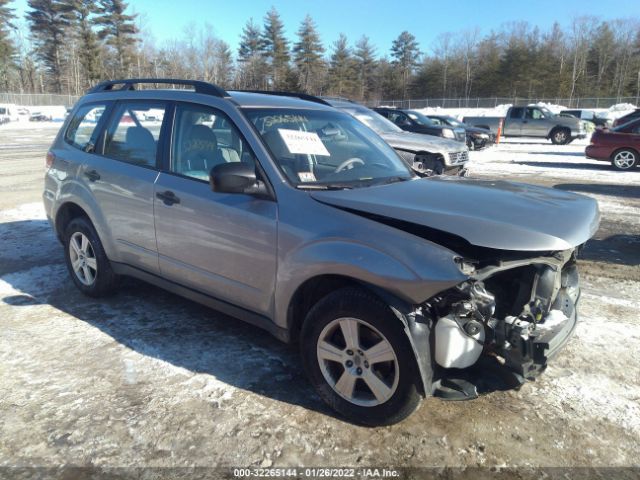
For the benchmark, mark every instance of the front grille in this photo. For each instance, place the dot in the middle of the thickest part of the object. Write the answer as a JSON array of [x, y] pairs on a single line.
[[457, 158]]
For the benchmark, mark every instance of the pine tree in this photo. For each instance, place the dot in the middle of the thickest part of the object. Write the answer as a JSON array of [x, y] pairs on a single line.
[[276, 49], [365, 57], [118, 30], [343, 78], [49, 21], [90, 53], [252, 73], [7, 49], [308, 51], [251, 41], [405, 53]]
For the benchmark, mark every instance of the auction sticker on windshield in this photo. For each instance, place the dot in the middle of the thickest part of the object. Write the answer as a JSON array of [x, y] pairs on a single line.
[[306, 143]]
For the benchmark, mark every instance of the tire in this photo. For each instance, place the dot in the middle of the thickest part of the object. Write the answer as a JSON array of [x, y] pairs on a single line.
[[560, 136], [624, 159], [394, 376], [94, 277]]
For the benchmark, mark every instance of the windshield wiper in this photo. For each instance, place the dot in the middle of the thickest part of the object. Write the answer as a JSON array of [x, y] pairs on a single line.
[[325, 186], [386, 181]]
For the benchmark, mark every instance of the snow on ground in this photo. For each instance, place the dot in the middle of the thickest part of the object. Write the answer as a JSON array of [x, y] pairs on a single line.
[[526, 157]]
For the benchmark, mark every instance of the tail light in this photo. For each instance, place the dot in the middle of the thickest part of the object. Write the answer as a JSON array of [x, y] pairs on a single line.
[[50, 159]]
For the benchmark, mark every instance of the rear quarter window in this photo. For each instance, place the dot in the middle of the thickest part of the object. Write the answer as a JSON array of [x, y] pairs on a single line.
[[82, 129]]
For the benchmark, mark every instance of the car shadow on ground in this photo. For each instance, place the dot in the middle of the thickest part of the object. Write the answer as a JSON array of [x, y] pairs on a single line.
[[159, 324], [622, 249], [567, 154], [572, 165], [628, 191]]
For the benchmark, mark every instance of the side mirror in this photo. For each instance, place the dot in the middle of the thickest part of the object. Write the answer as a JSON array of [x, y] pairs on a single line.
[[236, 177]]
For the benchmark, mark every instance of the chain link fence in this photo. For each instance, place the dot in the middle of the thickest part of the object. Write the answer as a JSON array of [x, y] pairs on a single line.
[[42, 99], [38, 99], [492, 102]]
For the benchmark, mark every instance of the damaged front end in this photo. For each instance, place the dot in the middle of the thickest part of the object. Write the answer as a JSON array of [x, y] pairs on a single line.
[[521, 312]]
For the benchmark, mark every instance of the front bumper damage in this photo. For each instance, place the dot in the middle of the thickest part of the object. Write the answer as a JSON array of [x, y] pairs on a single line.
[[512, 316]]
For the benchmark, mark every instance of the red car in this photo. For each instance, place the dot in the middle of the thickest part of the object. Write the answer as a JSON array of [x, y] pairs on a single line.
[[620, 145]]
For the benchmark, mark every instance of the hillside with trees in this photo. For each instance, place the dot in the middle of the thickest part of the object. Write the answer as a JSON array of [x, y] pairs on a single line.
[[67, 45]]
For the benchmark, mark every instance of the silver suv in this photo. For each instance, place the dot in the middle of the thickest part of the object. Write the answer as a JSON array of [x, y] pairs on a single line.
[[297, 218]]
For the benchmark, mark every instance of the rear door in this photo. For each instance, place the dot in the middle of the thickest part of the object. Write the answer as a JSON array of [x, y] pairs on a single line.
[[122, 175], [220, 244], [513, 123]]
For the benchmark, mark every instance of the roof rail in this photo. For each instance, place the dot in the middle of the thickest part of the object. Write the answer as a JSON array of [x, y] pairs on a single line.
[[301, 96], [340, 99], [129, 84]]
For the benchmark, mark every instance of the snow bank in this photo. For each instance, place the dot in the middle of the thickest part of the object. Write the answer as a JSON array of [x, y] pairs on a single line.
[[613, 112]]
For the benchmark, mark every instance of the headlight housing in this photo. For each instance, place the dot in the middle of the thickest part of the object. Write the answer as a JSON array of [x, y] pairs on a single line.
[[448, 133]]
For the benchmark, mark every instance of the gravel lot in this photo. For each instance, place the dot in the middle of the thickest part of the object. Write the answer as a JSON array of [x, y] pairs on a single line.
[[146, 378]]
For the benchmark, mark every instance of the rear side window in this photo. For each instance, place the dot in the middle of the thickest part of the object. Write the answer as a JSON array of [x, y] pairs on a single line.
[[133, 132], [516, 112], [82, 130]]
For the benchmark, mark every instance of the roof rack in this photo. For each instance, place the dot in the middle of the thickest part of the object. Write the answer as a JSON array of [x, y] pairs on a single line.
[[301, 96], [340, 99], [129, 84]]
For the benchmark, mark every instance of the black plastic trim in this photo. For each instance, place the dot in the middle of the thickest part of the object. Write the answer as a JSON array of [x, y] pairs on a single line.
[[222, 306], [129, 84]]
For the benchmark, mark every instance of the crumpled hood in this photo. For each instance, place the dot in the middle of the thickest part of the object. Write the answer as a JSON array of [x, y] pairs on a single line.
[[487, 213], [416, 142]]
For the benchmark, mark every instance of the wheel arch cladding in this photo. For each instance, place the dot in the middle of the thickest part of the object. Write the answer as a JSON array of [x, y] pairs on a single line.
[[416, 328]]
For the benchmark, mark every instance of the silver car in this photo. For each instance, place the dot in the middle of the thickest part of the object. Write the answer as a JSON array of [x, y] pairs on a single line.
[[295, 217], [439, 155]]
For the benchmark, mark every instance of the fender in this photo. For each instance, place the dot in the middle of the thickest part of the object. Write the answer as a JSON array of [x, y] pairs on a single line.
[[74, 192], [363, 263]]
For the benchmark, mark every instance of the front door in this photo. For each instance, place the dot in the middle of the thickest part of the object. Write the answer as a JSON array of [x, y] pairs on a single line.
[[220, 244]]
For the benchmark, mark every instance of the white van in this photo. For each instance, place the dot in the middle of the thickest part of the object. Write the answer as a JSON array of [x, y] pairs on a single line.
[[8, 113]]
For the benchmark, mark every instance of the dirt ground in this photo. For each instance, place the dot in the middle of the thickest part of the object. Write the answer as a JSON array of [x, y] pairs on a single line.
[[146, 378]]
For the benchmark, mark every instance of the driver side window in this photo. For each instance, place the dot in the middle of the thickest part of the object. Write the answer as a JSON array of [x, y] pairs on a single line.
[[204, 137]]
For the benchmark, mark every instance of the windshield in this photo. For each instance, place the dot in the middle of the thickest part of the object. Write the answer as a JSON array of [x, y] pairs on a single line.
[[327, 149], [372, 119], [420, 118], [547, 113]]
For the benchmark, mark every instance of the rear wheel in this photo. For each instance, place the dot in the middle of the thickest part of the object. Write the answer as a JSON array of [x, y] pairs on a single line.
[[624, 159], [86, 260], [560, 136], [359, 358]]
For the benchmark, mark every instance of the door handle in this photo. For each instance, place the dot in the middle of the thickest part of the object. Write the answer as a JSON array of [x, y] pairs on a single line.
[[92, 175], [168, 197]]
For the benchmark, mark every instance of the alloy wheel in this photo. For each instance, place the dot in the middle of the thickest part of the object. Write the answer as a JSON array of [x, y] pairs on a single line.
[[83, 258], [358, 362], [624, 160]]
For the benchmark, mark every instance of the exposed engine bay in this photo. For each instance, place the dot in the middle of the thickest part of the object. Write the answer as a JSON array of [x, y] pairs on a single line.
[[521, 312]]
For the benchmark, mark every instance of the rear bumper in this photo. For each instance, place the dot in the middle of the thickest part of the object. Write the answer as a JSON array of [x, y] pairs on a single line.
[[598, 152]]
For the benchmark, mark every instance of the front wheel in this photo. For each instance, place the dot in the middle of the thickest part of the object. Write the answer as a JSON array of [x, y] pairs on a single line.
[[624, 159], [359, 358]]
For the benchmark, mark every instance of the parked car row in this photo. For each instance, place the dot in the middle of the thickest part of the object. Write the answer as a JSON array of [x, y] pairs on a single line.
[[289, 212], [423, 152]]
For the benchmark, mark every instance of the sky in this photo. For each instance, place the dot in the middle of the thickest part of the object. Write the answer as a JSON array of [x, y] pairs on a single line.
[[381, 21]]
